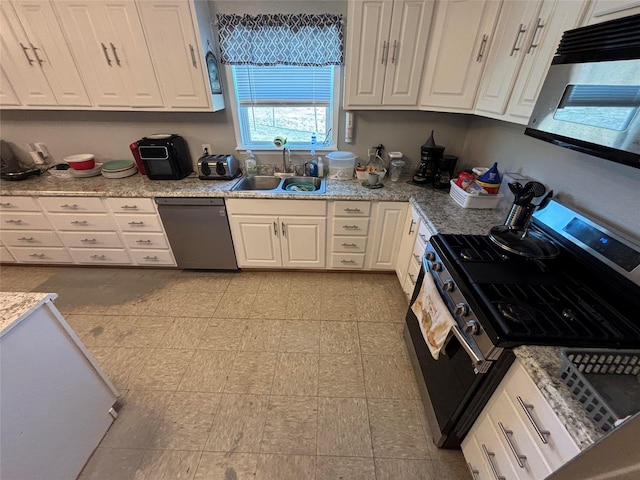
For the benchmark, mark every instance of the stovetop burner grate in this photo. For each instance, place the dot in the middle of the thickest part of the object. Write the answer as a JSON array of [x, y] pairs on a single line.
[[474, 248]]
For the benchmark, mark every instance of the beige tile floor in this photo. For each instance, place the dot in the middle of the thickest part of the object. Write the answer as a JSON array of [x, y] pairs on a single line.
[[250, 375]]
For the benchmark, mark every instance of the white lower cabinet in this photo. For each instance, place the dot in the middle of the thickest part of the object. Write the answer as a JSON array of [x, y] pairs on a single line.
[[349, 234], [517, 435], [415, 235], [278, 233], [105, 256], [41, 255], [388, 218]]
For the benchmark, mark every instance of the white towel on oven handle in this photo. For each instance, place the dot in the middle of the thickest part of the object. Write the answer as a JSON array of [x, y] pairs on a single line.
[[434, 317]]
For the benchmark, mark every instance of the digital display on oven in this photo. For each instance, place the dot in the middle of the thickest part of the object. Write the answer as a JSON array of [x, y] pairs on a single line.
[[602, 243]]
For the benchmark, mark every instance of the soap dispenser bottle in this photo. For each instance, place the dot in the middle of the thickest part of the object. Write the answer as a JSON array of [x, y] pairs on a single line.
[[250, 164]]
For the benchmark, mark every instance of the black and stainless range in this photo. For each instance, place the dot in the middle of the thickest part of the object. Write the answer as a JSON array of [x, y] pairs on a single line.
[[589, 295]]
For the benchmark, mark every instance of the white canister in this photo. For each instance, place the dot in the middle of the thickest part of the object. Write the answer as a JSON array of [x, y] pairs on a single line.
[[341, 165]]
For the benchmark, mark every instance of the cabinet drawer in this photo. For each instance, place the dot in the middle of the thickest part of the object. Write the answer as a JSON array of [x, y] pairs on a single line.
[[24, 221], [349, 244], [100, 256], [408, 286], [351, 209], [418, 251], [153, 257], [347, 260], [424, 234], [350, 226], [36, 238], [139, 223], [41, 255], [491, 452], [22, 204], [83, 222], [5, 256], [131, 205], [72, 204], [91, 239], [146, 240], [413, 271]]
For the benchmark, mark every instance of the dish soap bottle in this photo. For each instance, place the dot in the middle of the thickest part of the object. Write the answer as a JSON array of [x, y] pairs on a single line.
[[313, 165], [250, 164]]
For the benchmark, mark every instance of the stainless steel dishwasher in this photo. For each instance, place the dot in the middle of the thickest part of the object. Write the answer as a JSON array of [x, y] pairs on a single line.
[[198, 231]]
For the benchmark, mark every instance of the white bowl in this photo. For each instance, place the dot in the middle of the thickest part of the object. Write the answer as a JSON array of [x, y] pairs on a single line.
[[81, 161]]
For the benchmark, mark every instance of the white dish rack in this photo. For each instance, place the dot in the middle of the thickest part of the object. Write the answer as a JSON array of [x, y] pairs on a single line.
[[467, 200]]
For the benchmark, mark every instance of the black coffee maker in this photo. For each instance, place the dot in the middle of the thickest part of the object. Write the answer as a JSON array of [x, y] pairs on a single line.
[[444, 171], [430, 155]]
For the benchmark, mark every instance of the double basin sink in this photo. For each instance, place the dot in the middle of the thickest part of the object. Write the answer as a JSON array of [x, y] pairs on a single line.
[[267, 183]]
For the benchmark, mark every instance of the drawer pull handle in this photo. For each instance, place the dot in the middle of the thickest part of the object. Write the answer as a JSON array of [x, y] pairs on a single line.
[[527, 411], [485, 37], [17, 222], [26, 239], [423, 237], [413, 222], [507, 436], [193, 56], [144, 241], [79, 222], [412, 278], [37, 255], [417, 257], [284, 232], [72, 207], [136, 223], [8, 204], [351, 227], [474, 472], [88, 240], [352, 210], [150, 258], [130, 207], [489, 455], [349, 245], [99, 257], [275, 229], [347, 261]]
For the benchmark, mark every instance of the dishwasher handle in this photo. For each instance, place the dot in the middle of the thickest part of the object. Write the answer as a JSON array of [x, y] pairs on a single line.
[[186, 201]]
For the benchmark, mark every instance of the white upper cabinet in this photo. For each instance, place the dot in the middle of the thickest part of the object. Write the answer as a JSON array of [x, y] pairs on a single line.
[[461, 39], [177, 56], [604, 10], [525, 42], [386, 45], [36, 58], [8, 96], [112, 54]]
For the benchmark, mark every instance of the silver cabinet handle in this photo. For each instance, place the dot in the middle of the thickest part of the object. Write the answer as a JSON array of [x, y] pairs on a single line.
[[129, 207], [412, 278], [385, 52], [532, 45], [351, 227], [37, 255], [352, 210], [527, 411], [489, 455], [79, 222], [515, 48], [144, 241], [72, 207], [349, 245], [417, 257], [506, 433], [474, 472], [136, 223], [393, 55], [35, 52], [15, 222], [483, 45], [106, 53], [150, 258], [26, 239], [99, 257], [89, 240], [413, 222], [8, 204], [275, 229], [115, 54], [284, 232], [423, 237], [347, 261], [24, 50], [193, 56]]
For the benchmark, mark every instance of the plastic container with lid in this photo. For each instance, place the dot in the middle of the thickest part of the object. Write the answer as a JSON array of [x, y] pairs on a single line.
[[341, 165], [396, 165]]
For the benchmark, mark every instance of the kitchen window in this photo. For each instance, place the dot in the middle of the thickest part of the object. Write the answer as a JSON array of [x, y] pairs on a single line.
[[285, 76]]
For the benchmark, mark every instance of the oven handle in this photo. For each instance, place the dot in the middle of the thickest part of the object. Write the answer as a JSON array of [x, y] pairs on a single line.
[[476, 357]]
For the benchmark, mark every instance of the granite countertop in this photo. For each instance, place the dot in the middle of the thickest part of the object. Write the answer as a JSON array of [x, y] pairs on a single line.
[[436, 208], [14, 306]]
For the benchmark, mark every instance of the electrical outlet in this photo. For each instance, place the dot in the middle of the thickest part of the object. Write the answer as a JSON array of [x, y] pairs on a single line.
[[206, 149]]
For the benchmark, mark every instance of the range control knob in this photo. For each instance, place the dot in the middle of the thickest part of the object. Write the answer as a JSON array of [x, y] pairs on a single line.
[[461, 309], [431, 256], [448, 286], [472, 327], [436, 266]]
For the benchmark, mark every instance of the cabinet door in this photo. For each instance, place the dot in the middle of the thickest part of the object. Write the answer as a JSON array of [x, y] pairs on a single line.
[[109, 44], [507, 52], [410, 25], [407, 241], [51, 52], [604, 10], [8, 96], [174, 49], [386, 235], [256, 240], [303, 241], [367, 51], [554, 18], [461, 38]]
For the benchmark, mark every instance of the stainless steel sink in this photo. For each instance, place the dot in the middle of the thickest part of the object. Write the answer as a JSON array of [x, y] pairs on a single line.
[[264, 183]]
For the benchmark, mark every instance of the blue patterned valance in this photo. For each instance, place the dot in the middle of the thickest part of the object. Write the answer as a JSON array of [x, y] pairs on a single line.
[[281, 39]]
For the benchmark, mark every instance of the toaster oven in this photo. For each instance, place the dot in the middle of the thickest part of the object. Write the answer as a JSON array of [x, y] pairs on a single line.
[[165, 156]]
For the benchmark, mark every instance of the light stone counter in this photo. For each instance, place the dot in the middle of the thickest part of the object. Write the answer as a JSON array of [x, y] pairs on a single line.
[[14, 306]]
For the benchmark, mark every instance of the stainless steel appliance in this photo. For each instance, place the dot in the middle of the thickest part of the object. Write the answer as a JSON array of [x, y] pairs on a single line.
[[218, 167], [165, 156], [198, 232], [590, 99], [588, 295]]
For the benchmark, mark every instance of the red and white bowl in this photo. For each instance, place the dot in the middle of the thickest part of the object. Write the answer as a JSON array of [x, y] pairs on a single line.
[[81, 161]]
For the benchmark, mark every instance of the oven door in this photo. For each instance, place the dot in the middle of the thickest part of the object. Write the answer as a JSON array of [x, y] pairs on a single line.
[[453, 391]]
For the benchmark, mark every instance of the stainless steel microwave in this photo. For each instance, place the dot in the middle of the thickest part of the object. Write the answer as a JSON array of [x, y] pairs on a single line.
[[590, 100]]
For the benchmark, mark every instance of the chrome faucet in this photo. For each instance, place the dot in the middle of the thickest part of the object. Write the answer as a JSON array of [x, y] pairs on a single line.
[[285, 153]]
